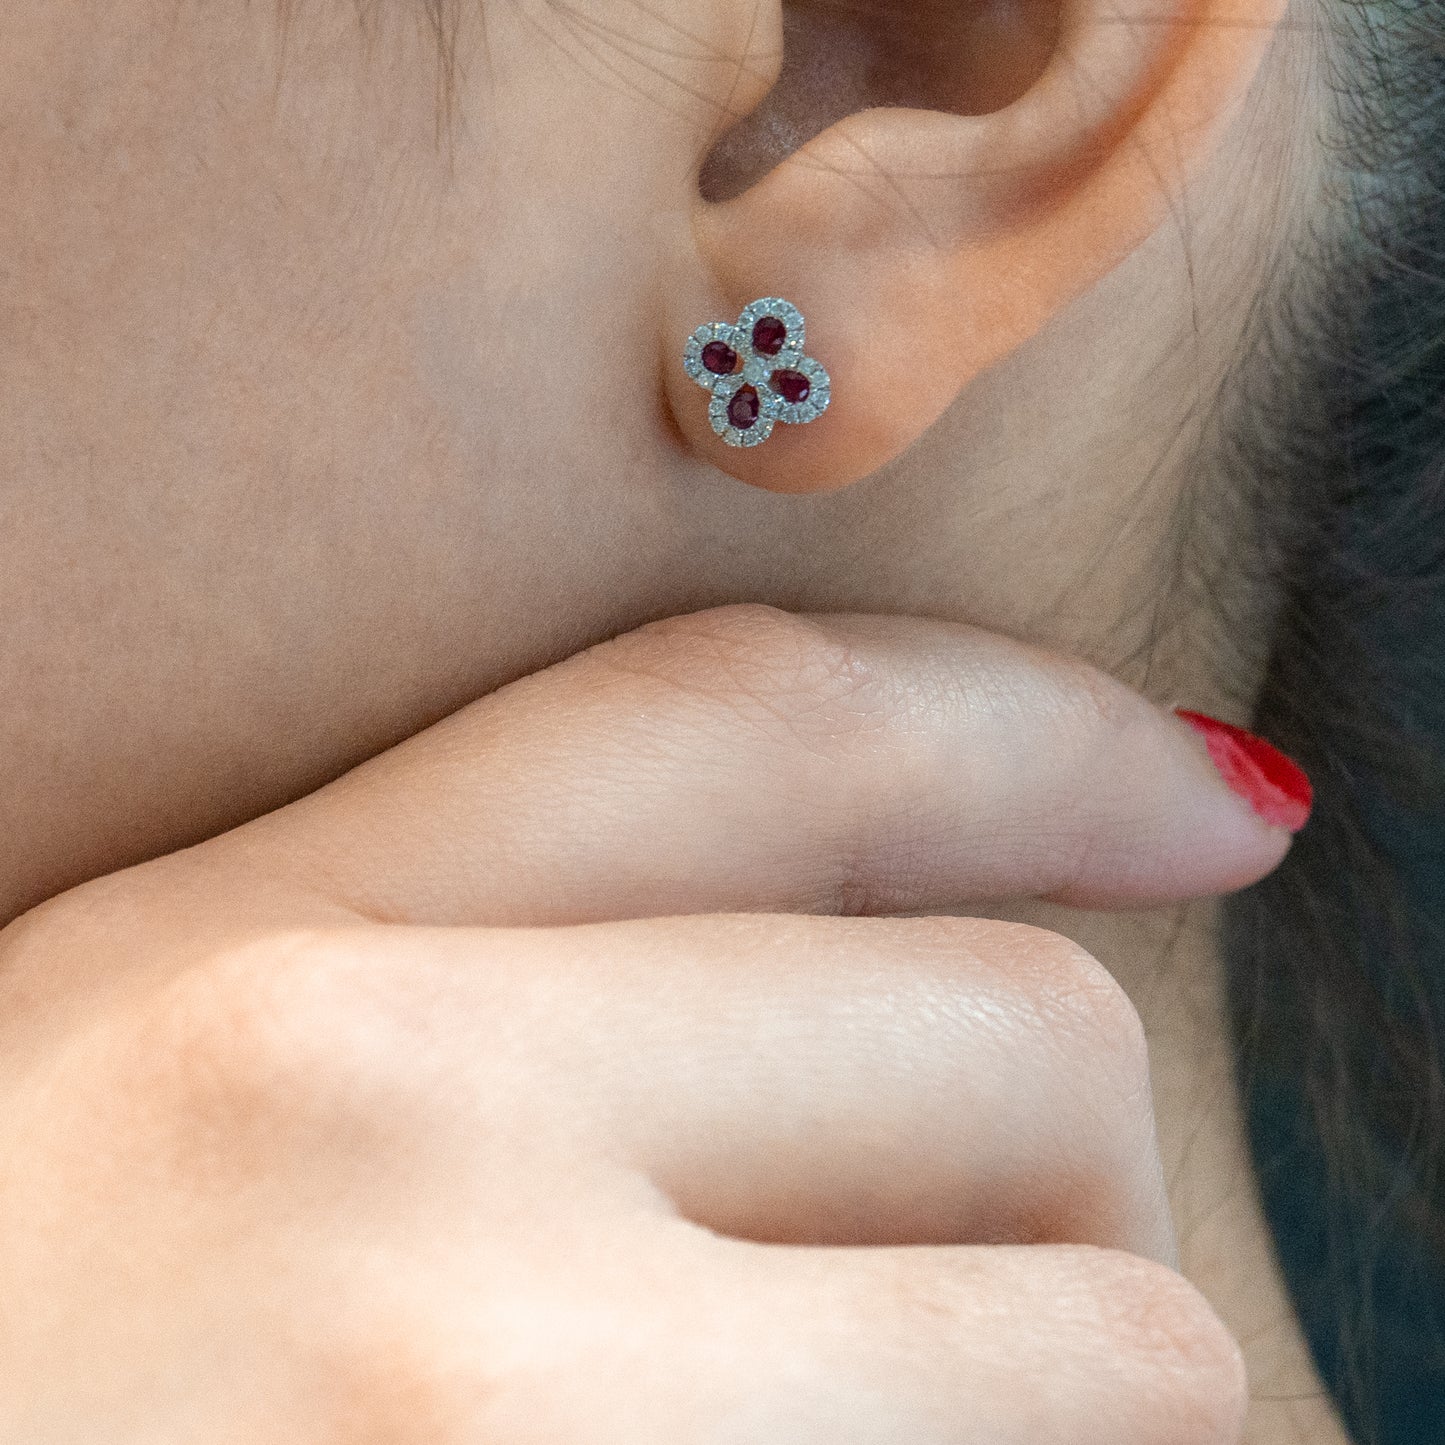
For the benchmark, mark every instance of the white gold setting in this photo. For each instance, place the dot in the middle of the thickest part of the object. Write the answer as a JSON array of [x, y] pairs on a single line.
[[756, 369]]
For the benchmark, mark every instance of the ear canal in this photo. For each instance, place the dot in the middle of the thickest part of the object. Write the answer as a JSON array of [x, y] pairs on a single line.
[[924, 245], [945, 55]]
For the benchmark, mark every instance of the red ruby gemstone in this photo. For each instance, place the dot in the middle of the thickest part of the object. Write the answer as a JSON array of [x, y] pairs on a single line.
[[792, 386], [743, 408], [719, 358], [769, 335]]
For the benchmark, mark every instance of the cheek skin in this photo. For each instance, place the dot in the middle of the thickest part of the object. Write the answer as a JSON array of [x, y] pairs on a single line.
[[308, 438], [249, 537], [316, 428]]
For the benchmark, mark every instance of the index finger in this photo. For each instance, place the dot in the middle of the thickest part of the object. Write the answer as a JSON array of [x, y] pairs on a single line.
[[744, 758]]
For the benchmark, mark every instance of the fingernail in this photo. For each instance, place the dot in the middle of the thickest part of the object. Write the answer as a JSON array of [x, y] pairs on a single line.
[[1274, 785]]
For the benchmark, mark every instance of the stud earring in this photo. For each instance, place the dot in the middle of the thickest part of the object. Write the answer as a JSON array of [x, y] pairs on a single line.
[[756, 372]]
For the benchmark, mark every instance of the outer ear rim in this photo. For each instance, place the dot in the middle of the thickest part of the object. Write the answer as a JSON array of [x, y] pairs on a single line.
[[925, 246]]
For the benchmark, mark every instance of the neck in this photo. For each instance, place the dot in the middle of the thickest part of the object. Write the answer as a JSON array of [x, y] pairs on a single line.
[[1170, 965]]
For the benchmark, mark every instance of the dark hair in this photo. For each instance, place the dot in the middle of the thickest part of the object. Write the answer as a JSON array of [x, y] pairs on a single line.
[[1337, 961]]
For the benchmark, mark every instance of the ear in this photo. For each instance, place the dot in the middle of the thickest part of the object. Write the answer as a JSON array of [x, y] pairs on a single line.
[[922, 246]]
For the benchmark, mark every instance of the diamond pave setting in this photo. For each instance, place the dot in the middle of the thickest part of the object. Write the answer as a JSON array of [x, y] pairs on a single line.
[[767, 341]]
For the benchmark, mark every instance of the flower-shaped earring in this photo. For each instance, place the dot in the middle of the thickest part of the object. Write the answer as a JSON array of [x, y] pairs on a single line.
[[756, 372]]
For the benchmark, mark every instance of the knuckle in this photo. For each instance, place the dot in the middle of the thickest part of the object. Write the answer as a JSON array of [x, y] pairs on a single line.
[[275, 1025], [400, 1383], [1189, 1365], [765, 664], [1073, 990], [1095, 719], [402, 1361], [753, 628]]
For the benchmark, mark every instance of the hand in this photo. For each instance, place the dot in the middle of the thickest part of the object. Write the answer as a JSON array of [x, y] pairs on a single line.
[[457, 1102]]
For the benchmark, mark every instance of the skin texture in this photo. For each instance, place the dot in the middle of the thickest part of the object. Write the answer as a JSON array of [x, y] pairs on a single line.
[[290, 465], [585, 1177], [323, 419]]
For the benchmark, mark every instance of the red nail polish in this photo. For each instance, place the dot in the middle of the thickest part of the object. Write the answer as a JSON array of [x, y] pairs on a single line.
[[1274, 785]]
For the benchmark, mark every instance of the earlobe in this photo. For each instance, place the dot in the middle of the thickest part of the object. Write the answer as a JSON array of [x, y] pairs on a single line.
[[923, 246]]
